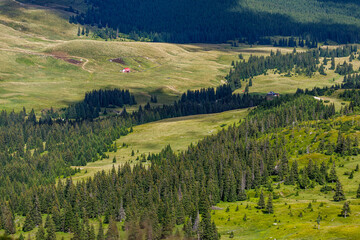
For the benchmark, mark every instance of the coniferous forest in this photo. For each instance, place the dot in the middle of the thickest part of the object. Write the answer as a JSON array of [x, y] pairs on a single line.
[[204, 21], [184, 139]]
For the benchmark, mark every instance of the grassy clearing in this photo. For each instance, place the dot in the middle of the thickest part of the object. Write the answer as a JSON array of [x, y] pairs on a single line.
[[179, 133], [283, 84]]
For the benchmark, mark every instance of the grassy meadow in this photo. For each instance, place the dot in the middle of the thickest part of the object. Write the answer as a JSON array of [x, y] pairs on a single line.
[[179, 133], [43, 63]]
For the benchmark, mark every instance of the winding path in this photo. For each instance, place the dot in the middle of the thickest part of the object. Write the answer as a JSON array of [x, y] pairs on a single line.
[[86, 61]]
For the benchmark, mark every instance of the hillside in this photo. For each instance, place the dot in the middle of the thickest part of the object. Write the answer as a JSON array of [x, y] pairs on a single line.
[[218, 22], [189, 142]]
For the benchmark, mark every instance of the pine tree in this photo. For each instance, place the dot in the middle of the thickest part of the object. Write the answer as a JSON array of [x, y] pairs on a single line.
[[346, 209], [188, 228], [332, 64], [113, 232], [269, 206], [358, 192], [8, 219], [332, 176], [21, 237], [50, 229], [100, 235], [40, 234], [78, 31], [28, 224], [36, 212], [208, 229], [339, 194], [261, 203]]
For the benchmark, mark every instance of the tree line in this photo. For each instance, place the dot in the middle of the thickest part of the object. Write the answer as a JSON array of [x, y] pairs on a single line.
[[300, 62], [91, 106]]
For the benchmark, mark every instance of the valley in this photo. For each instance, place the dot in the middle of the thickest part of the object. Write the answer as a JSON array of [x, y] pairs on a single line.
[[198, 151]]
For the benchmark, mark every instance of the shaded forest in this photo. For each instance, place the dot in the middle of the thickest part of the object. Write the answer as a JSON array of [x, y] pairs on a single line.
[[204, 21]]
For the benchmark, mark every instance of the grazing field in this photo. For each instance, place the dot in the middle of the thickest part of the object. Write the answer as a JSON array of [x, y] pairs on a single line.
[[179, 133], [44, 63]]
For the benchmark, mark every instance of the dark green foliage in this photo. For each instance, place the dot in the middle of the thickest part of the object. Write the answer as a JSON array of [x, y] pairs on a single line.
[[29, 223], [112, 232], [208, 229], [50, 229], [345, 211], [183, 22], [100, 235], [344, 69], [7, 219], [261, 202], [96, 99], [339, 194], [174, 188], [304, 62], [269, 205], [40, 234]]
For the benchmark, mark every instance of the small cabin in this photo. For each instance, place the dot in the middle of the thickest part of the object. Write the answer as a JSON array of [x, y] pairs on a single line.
[[126, 70], [271, 95]]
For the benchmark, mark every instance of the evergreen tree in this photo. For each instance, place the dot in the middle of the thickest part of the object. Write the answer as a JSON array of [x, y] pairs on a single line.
[[100, 235], [113, 232], [339, 194], [208, 229], [7, 220], [28, 224], [269, 206], [332, 176], [40, 234], [358, 192], [261, 202], [346, 209], [332, 64], [50, 229]]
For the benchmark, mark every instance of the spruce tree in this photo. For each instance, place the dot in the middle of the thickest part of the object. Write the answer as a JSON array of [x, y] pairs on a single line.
[[269, 206], [332, 176], [346, 209], [40, 234], [261, 203], [28, 224], [113, 232], [208, 229], [358, 192], [339, 193], [8, 219], [100, 235], [50, 229]]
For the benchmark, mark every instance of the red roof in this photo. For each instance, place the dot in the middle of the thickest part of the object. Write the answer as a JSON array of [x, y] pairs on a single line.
[[127, 69]]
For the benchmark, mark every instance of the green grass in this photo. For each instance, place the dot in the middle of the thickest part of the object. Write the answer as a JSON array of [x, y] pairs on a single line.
[[35, 42], [179, 133], [265, 226]]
